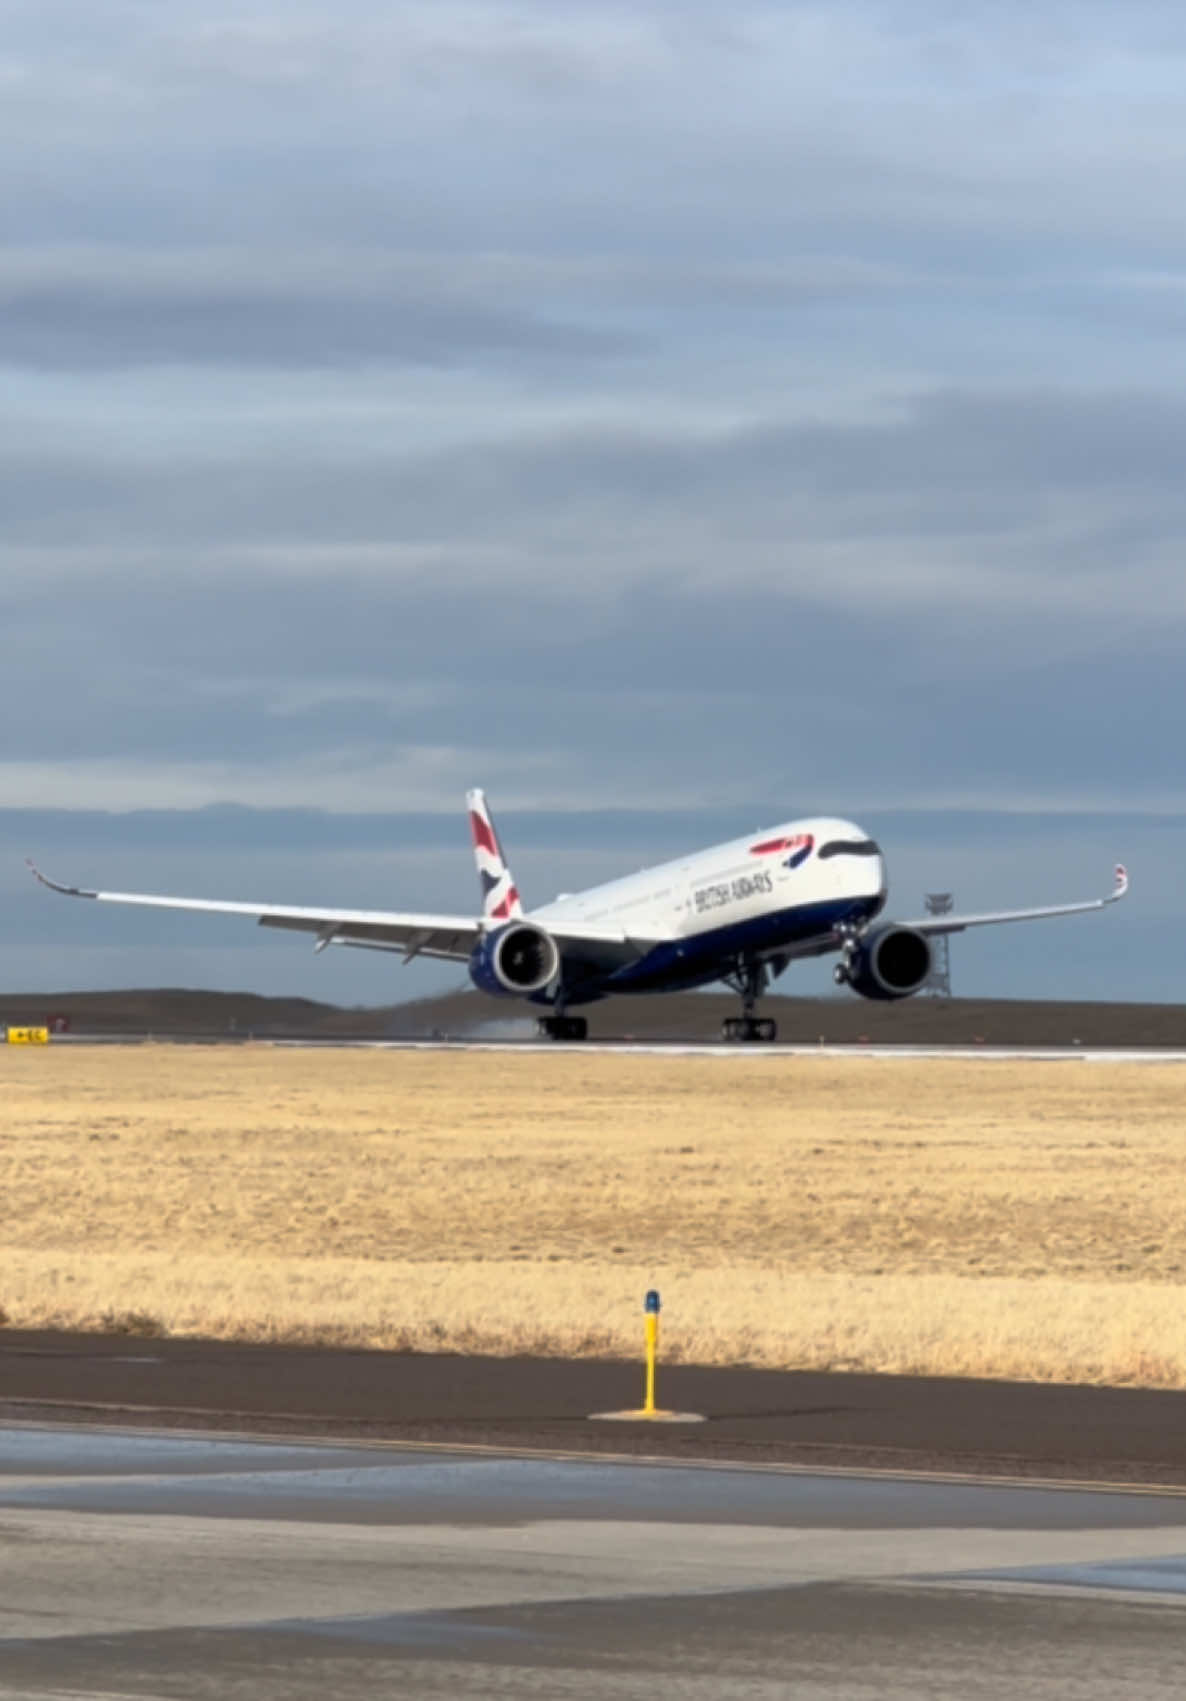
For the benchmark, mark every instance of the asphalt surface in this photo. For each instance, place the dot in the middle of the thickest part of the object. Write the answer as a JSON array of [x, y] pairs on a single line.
[[152, 1564], [693, 1016], [1005, 1429]]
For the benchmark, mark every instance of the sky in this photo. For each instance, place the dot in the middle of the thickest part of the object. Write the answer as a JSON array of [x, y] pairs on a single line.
[[671, 417]]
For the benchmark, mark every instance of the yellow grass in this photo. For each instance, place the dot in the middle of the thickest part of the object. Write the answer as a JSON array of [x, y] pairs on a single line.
[[984, 1218]]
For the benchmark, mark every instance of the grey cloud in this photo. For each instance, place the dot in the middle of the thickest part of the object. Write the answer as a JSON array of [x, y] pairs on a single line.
[[778, 408], [368, 273], [1002, 499], [98, 307], [740, 612], [664, 696], [663, 126], [69, 325]]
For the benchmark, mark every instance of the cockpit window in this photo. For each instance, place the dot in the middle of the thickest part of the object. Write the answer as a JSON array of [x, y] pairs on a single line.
[[848, 847]]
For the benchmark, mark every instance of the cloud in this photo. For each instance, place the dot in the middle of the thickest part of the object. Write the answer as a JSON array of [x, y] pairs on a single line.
[[75, 310], [632, 407], [677, 128], [968, 504]]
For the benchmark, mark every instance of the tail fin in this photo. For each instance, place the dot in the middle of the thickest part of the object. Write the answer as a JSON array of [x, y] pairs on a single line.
[[500, 900]]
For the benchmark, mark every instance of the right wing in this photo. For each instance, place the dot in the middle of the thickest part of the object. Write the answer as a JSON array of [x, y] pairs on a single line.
[[931, 924]]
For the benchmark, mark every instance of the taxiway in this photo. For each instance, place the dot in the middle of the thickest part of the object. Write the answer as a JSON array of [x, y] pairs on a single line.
[[138, 1565]]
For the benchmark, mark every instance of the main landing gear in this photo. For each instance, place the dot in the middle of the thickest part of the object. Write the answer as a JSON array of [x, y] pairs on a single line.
[[562, 1027], [747, 1029], [750, 982]]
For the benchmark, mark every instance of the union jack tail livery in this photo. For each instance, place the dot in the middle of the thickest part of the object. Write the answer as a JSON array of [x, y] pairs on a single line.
[[500, 900]]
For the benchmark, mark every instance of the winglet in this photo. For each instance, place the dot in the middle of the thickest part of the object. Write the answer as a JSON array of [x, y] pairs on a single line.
[[500, 900], [70, 891], [1120, 886]]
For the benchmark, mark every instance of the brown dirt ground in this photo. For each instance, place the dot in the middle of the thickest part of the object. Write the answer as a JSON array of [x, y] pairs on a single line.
[[986, 1218]]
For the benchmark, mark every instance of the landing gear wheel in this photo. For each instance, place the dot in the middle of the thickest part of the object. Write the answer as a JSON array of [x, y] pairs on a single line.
[[563, 1027], [750, 980], [749, 1030]]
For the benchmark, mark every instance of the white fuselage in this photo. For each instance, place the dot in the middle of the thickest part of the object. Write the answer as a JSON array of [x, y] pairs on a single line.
[[774, 872]]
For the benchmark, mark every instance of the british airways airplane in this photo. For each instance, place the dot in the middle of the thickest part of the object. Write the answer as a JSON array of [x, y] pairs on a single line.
[[738, 913]]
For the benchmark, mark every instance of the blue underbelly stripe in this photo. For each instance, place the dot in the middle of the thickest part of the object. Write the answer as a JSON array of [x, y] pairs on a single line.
[[705, 956]]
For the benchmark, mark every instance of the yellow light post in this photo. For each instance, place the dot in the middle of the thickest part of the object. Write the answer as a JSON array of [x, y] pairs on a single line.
[[648, 1409], [652, 1326]]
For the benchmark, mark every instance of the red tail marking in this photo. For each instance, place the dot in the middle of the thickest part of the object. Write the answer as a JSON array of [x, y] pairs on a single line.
[[482, 835]]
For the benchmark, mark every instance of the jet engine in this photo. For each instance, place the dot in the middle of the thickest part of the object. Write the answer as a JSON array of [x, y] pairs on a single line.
[[517, 960], [891, 962]]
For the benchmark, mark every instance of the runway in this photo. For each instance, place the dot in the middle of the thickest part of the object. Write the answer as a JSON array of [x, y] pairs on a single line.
[[659, 1048], [149, 1564], [758, 1053]]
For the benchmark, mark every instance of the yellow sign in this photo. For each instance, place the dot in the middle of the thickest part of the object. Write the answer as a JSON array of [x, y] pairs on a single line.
[[28, 1036]]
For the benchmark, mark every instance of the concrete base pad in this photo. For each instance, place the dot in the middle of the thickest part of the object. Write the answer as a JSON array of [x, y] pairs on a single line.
[[646, 1417]]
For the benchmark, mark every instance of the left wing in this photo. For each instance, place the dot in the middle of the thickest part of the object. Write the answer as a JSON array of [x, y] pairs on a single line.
[[451, 937], [932, 924]]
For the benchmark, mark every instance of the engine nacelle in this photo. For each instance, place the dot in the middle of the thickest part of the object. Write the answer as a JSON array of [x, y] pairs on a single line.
[[517, 960], [891, 962]]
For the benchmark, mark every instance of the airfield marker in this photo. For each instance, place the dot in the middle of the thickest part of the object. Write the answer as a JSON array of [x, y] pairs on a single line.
[[651, 1307], [649, 1411]]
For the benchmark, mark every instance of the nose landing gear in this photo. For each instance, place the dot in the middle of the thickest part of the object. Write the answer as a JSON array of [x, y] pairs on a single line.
[[849, 939]]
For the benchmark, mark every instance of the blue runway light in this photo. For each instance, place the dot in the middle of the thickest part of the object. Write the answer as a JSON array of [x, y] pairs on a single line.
[[649, 1410]]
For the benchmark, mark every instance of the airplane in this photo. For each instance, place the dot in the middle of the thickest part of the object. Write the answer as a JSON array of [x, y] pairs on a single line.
[[739, 912]]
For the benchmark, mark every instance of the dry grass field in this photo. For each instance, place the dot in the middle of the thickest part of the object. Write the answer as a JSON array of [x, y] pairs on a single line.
[[984, 1218]]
